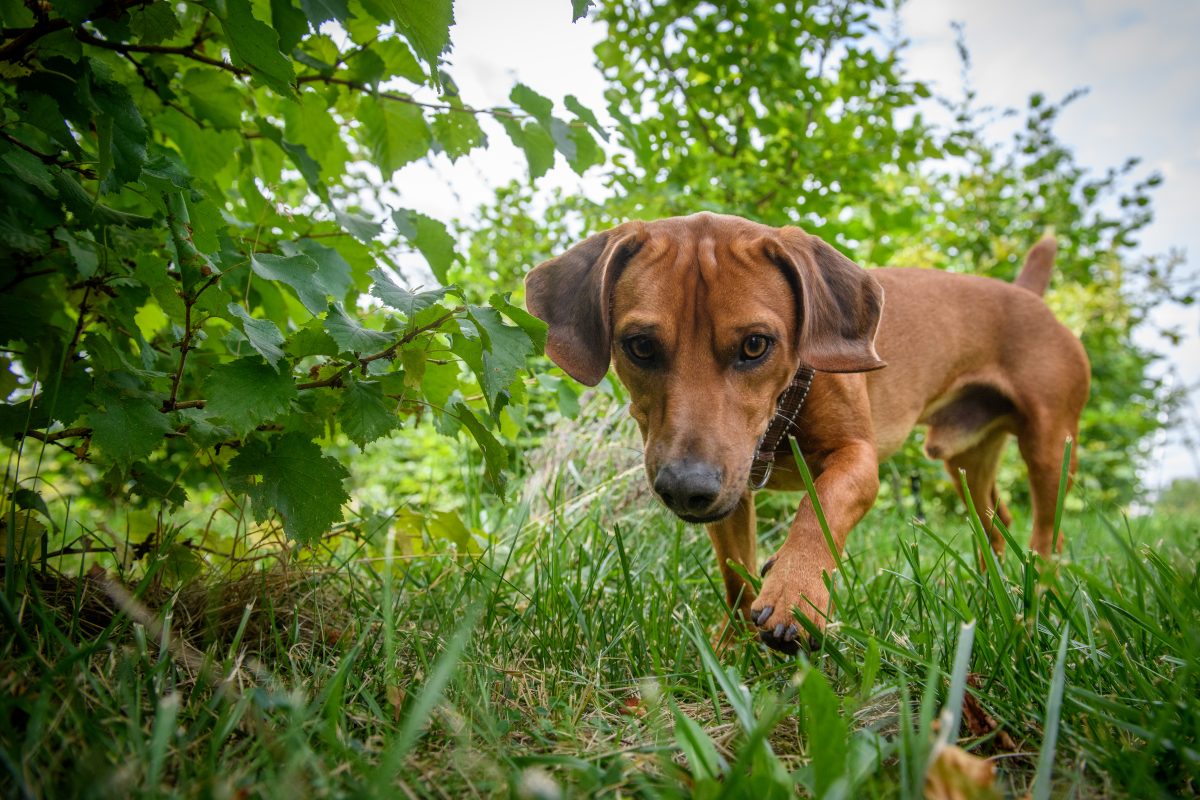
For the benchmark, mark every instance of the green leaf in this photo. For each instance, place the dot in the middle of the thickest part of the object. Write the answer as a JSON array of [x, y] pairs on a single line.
[[311, 340], [263, 335], [503, 356], [424, 23], [297, 271], [254, 44], [534, 141], [533, 327], [290, 23], [399, 60], [359, 226], [76, 11], [705, 762], [585, 152], [248, 392], [532, 103], [30, 169], [122, 134], [154, 23], [296, 480], [82, 250], [350, 335], [365, 414], [214, 97], [495, 457], [334, 275], [579, 9], [406, 301], [395, 133], [457, 132], [319, 11], [127, 428], [309, 123], [430, 237], [366, 67], [828, 733], [584, 113], [308, 166]]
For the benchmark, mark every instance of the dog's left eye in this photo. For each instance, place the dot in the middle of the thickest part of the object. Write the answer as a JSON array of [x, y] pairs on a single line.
[[641, 349], [754, 347]]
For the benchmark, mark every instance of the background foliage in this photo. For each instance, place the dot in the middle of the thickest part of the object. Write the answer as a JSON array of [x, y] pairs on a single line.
[[803, 114], [199, 301]]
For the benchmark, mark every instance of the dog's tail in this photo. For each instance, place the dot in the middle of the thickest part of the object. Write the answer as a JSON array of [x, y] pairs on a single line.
[[1035, 274]]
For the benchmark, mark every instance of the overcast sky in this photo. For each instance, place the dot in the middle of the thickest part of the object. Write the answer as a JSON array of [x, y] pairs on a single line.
[[1140, 62]]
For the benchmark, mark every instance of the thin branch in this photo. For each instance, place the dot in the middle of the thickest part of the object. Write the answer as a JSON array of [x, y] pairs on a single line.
[[83, 309], [16, 47], [335, 379], [49, 159], [500, 113], [24, 276], [174, 50], [66, 433], [184, 345]]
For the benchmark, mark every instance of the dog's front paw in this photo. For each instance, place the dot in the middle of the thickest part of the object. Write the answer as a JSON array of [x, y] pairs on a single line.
[[786, 587]]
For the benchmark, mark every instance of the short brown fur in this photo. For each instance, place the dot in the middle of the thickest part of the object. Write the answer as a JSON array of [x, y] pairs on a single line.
[[974, 359]]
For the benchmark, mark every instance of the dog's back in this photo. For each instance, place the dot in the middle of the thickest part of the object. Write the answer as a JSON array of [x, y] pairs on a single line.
[[997, 342]]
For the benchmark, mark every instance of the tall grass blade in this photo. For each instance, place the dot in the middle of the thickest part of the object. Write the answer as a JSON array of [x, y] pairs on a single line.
[[952, 711], [1063, 479], [1045, 764], [811, 488], [164, 729], [422, 707]]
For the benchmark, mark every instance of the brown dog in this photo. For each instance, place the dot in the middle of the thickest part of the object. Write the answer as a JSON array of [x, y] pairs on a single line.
[[709, 317]]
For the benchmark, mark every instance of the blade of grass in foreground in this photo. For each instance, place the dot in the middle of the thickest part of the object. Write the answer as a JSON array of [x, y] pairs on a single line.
[[811, 488], [952, 710], [422, 707], [1045, 765], [1062, 492]]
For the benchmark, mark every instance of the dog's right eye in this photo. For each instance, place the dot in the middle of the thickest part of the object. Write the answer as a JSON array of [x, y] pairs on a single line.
[[641, 349]]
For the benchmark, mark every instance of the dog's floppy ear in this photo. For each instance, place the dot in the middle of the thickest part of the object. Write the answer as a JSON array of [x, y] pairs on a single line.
[[840, 303], [572, 294]]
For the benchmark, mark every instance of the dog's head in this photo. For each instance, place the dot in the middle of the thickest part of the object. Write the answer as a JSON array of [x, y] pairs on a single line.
[[706, 318]]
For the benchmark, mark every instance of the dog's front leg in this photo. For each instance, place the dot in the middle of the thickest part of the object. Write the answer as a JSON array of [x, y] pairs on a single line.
[[734, 540], [847, 483]]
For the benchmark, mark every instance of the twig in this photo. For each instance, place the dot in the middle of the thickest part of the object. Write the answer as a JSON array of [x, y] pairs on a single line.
[[390, 352], [184, 345], [66, 433], [161, 49], [47, 158]]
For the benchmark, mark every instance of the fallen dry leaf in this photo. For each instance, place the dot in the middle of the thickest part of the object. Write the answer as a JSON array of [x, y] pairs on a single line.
[[958, 775], [980, 723]]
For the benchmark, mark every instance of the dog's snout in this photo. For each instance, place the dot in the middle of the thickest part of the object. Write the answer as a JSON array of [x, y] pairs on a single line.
[[688, 487]]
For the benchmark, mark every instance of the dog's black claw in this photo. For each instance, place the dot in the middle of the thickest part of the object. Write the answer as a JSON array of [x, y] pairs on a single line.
[[776, 643], [762, 573], [762, 616], [778, 632], [790, 633]]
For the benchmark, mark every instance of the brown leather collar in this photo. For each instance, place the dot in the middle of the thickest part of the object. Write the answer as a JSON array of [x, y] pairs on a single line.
[[786, 409]]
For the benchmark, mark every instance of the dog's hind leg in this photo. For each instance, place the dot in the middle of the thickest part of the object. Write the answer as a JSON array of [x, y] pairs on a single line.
[[1042, 449], [734, 539], [980, 464]]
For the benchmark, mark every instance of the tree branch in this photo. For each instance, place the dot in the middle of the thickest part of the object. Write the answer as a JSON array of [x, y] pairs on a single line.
[[186, 51], [49, 159]]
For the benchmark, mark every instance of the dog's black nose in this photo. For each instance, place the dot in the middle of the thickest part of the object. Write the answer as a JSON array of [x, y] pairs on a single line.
[[688, 487]]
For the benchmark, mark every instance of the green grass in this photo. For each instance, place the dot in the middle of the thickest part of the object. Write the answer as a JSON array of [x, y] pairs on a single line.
[[572, 657]]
